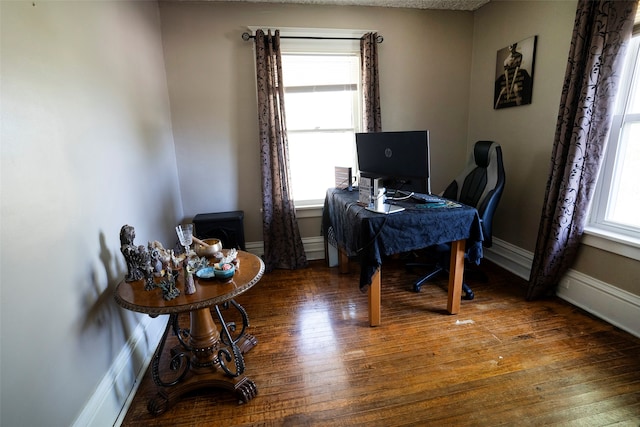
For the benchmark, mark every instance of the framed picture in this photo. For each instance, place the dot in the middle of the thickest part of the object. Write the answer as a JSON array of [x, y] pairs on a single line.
[[514, 74]]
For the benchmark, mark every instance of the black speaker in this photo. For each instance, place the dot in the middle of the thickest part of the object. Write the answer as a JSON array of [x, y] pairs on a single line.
[[226, 226]]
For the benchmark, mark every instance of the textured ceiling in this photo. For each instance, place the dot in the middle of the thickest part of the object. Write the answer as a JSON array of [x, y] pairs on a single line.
[[412, 4]]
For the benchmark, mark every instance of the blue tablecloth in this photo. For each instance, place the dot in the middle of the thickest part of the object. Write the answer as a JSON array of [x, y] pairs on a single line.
[[370, 235]]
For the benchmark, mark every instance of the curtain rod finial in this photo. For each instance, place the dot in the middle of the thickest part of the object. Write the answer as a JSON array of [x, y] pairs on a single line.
[[246, 36]]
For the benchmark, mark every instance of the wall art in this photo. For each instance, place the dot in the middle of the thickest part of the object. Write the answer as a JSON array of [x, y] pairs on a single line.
[[514, 74]]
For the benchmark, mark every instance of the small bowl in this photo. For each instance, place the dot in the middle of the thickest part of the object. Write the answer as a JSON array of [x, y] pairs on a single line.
[[225, 274], [215, 246]]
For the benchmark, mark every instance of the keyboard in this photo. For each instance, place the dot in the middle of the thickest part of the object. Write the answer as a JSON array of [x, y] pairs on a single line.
[[426, 198]]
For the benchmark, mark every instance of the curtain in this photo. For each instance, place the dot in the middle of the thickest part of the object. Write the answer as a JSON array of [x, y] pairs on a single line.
[[601, 32], [282, 242], [370, 85]]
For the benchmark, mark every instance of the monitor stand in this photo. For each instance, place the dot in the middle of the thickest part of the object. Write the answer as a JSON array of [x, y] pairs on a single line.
[[385, 208]]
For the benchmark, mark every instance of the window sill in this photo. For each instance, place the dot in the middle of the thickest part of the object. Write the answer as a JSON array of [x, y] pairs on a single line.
[[612, 242], [309, 211]]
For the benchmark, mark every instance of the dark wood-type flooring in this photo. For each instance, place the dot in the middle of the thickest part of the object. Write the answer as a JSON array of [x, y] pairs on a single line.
[[501, 361]]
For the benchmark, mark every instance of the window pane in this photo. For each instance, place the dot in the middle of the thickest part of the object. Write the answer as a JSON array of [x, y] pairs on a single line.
[[624, 198], [322, 107], [313, 70], [313, 157], [319, 110]]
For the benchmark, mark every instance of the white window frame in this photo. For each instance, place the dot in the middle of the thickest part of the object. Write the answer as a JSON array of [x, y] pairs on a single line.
[[599, 232]]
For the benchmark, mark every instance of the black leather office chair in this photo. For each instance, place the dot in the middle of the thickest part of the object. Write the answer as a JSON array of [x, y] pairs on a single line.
[[480, 185]]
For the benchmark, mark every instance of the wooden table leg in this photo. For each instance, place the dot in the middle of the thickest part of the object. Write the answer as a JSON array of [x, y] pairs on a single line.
[[326, 251], [456, 272], [343, 261], [374, 299]]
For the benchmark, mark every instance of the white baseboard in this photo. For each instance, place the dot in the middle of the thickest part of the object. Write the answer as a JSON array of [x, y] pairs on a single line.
[[611, 304], [108, 404], [256, 248], [510, 257], [313, 247]]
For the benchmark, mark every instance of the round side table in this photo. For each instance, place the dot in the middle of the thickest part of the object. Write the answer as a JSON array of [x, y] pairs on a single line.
[[205, 357]]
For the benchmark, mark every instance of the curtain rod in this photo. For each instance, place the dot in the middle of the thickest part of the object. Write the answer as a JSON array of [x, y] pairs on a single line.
[[247, 36]]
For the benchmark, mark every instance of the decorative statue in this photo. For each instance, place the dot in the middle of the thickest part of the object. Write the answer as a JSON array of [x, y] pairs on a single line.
[[156, 261], [137, 257], [191, 266], [189, 284], [168, 286], [145, 258]]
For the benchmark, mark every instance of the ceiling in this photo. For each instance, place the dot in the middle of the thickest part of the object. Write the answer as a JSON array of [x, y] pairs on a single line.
[[411, 4]]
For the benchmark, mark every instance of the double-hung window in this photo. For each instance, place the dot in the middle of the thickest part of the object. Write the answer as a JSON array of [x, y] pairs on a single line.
[[323, 113], [615, 210]]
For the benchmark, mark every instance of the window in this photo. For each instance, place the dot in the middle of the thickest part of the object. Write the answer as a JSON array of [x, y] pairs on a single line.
[[616, 205], [322, 101]]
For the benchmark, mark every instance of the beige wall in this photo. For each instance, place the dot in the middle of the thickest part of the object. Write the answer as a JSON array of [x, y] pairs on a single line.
[[86, 148], [620, 271], [424, 72]]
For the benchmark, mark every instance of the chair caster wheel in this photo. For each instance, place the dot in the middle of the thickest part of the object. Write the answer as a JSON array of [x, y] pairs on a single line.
[[468, 293]]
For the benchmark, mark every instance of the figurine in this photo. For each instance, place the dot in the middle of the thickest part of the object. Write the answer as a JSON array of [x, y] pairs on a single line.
[[191, 266], [189, 284], [168, 286], [137, 258], [145, 258], [156, 262], [163, 253]]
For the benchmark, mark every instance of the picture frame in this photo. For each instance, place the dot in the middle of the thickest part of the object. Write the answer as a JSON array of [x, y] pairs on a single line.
[[514, 74]]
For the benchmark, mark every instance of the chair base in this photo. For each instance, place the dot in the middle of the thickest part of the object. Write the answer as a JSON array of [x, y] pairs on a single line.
[[417, 286]]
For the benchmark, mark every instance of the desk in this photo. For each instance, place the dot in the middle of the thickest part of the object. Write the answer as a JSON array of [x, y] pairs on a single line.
[[204, 357], [370, 236]]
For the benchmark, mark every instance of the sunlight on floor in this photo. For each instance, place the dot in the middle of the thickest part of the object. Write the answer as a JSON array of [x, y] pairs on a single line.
[[316, 330], [349, 312]]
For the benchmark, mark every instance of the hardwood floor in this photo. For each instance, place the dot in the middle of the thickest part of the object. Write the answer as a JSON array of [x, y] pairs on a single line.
[[501, 361]]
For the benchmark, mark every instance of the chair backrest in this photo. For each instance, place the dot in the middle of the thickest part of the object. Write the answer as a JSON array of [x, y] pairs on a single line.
[[481, 184]]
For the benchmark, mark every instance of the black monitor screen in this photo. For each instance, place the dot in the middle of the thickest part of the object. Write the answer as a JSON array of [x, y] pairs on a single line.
[[401, 158]]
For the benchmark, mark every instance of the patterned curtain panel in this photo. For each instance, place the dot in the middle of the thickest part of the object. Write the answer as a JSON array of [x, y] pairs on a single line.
[[600, 35], [370, 85], [282, 242]]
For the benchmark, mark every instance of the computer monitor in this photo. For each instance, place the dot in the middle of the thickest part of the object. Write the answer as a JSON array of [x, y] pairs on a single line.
[[400, 158]]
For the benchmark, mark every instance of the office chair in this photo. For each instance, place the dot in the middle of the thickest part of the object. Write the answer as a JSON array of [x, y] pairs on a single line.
[[480, 185]]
